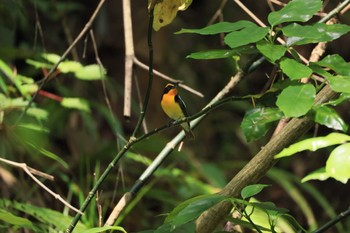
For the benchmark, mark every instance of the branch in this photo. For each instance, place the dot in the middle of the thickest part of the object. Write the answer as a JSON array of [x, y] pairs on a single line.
[[259, 165], [332, 222], [30, 171]]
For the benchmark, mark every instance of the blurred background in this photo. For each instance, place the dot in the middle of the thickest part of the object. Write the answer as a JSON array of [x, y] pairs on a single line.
[[86, 142]]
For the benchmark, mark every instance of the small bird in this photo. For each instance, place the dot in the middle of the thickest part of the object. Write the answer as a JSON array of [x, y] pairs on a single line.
[[174, 107]]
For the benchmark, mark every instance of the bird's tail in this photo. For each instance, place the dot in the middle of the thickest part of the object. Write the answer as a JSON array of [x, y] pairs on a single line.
[[187, 129]]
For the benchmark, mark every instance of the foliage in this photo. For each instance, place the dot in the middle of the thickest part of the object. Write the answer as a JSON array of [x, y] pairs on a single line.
[[70, 131]]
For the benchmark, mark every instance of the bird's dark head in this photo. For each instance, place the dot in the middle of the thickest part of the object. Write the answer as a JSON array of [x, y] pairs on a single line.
[[170, 88]]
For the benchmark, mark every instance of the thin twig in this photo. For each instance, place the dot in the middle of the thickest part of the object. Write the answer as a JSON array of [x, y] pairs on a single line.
[[129, 56], [332, 222], [163, 76], [30, 171], [218, 12], [69, 49]]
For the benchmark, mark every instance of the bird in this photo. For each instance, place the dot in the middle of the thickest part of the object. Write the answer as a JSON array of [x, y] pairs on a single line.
[[174, 107]]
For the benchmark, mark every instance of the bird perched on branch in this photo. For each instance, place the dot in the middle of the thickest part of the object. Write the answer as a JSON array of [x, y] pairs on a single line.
[[174, 107]]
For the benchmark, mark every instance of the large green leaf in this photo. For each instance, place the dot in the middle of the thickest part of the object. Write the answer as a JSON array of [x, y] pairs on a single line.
[[245, 36], [295, 70], [191, 209], [338, 163], [14, 220], [212, 54], [314, 144], [255, 123], [340, 83], [252, 190], [295, 11], [329, 117], [217, 28], [271, 51], [336, 63], [296, 101], [319, 32], [342, 98]]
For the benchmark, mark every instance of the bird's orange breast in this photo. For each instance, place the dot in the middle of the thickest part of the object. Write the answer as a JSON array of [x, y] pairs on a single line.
[[170, 107]]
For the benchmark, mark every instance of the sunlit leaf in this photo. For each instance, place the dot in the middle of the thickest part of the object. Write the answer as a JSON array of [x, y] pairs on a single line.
[[271, 51], [51, 57], [217, 28], [90, 72], [336, 63], [246, 36], [342, 98], [76, 103], [340, 83], [314, 144], [27, 89], [252, 190], [295, 11], [319, 32], [104, 229], [319, 174], [296, 101], [255, 123], [165, 11], [295, 70], [338, 163], [38, 113], [329, 117], [69, 66]]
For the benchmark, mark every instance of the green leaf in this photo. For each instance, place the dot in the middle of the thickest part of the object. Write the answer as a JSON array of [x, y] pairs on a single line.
[[14, 220], [342, 98], [271, 51], [340, 83], [245, 36], [51, 57], [103, 229], [76, 103], [338, 163], [90, 72], [192, 208], [319, 174], [296, 101], [329, 117], [252, 190], [295, 11], [69, 66], [295, 70], [319, 32], [217, 28], [336, 63], [38, 113], [214, 174], [314, 144], [255, 123], [212, 54]]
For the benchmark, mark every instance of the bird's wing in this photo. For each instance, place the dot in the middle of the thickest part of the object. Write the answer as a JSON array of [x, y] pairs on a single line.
[[182, 104]]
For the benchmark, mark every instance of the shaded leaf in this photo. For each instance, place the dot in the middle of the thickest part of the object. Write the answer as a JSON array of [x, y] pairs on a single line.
[[314, 144], [9, 218], [338, 163], [165, 11], [217, 28], [214, 174], [295, 70], [255, 123], [212, 54], [296, 101], [192, 208], [90, 72], [76, 103], [340, 83], [252, 190], [319, 174], [245, 36], [271, 51], [296, 10], [329, 117], [319, 32], [336, 63]]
